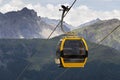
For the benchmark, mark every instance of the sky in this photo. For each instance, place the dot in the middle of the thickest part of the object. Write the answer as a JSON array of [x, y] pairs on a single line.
[[83, 10]]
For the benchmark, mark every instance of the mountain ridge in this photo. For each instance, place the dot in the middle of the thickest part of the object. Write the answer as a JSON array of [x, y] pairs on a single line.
[[26, 24], [97, 31]]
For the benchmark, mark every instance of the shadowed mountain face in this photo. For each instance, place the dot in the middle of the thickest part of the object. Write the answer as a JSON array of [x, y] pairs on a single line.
[[26, 24], [103, 62], [96, 31]]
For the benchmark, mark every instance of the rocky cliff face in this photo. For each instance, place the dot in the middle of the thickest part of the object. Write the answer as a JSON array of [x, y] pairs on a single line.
[[95, 32], [26, 24]]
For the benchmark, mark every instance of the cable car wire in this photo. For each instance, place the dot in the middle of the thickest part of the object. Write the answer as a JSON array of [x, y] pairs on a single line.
[[26, 67], [21, 73], [96, 46], [92, 48], [61, 74]]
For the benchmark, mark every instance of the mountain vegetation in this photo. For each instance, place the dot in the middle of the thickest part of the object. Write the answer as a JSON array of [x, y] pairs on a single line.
[[103, 62]]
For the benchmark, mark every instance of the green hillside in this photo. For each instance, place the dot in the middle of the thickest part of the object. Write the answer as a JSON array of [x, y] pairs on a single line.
[[103, 62]]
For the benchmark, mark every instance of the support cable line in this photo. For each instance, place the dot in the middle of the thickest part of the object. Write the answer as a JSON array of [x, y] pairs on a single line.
[[96, 46], [61, 74], [91, 48], [29, 64]]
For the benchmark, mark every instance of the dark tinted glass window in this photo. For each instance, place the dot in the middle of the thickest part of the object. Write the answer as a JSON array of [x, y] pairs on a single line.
[[74, 47]]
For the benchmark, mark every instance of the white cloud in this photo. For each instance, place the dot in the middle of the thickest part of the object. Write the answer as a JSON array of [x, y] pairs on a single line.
[[13, 5], [76, 16], [84, 14], [48, 11], [1, 1]]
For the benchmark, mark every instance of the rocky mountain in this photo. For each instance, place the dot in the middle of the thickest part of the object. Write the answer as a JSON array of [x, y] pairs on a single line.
[[98, 30], [26, 24]]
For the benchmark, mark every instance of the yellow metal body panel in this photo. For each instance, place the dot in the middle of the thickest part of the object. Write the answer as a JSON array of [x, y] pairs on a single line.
[[69, 65], [76, 64]]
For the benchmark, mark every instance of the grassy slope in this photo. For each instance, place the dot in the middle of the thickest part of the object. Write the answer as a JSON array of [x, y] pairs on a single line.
[[103, 62]]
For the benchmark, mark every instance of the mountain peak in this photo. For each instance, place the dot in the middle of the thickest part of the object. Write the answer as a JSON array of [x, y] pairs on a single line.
[[90, 22], [98, 19], [23, 12], [26, 11]]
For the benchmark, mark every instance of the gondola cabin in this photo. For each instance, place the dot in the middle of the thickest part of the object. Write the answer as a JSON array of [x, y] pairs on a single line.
[[72, 51]]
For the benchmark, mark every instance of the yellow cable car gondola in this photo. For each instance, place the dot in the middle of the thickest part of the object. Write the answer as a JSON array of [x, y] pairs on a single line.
[[72, 50]]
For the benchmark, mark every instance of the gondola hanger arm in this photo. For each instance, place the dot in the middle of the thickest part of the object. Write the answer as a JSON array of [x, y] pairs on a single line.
[[60, 21], [65, 10]]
